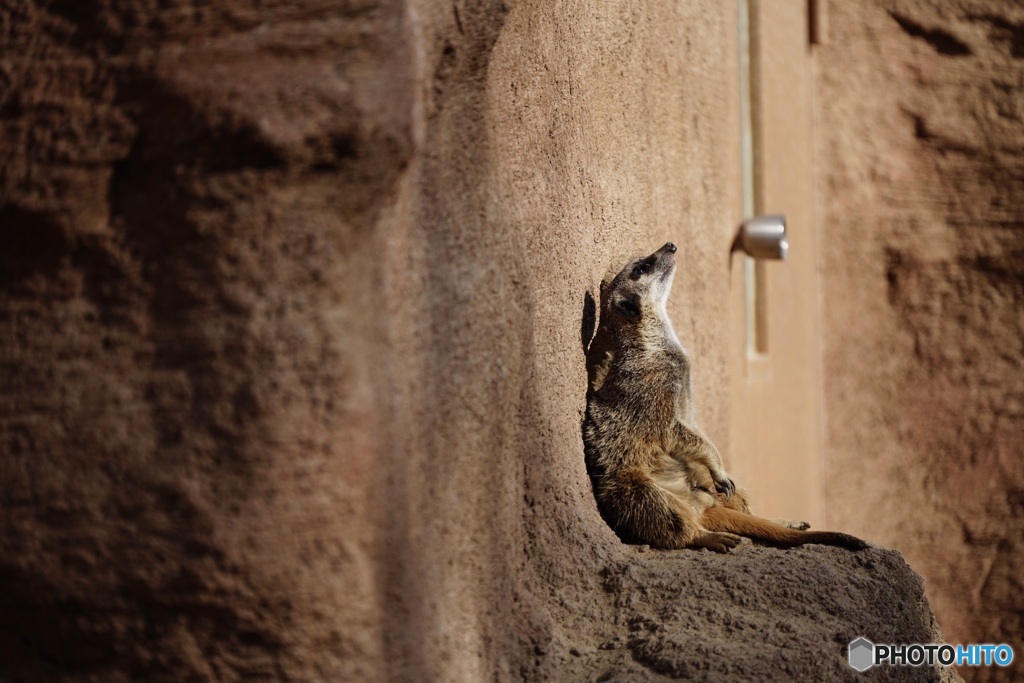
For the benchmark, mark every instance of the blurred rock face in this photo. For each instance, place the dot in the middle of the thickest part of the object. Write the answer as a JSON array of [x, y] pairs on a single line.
[[291, 297], [922, 122], [189, 297]]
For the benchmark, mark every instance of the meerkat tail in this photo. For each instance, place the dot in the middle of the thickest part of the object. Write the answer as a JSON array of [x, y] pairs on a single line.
[[719, 518]]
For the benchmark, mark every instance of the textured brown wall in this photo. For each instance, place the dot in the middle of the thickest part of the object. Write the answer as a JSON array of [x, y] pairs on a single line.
[[190, 299], [922, 200], [292, 363]]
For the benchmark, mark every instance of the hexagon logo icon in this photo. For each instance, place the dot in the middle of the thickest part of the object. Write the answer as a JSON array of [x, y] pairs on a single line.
[[862, 654]]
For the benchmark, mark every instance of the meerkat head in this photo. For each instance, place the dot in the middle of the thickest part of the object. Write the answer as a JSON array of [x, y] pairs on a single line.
[[640, 288]]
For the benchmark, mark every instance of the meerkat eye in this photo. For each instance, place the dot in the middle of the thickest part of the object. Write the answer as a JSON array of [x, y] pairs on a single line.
[[640, 269]]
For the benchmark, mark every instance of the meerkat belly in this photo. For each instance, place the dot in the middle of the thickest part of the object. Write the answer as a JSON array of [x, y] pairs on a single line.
[[683, 482]]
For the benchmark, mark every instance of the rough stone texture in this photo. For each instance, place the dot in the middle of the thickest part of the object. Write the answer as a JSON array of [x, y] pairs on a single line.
[[188, 313], [292, 371], [757, 614], [922, 170]]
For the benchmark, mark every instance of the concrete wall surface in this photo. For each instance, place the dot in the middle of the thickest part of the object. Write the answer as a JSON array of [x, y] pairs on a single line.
[[921, 171]]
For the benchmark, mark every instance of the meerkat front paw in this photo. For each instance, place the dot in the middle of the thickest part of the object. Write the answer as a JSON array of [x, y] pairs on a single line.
[[725, 485]]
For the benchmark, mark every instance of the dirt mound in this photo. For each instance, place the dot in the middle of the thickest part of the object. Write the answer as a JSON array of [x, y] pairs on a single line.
[[755, 614]]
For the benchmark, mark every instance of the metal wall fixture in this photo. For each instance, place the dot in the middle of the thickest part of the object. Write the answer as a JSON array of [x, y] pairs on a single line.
[[764, 237]]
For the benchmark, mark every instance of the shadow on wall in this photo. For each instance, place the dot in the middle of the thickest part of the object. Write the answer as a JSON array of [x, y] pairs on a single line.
[[588, 321]]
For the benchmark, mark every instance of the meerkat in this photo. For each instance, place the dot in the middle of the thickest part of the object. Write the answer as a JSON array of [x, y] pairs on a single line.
[[657, 478]]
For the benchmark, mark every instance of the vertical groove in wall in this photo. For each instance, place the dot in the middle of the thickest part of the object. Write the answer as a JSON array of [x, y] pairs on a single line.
[[753, 271]]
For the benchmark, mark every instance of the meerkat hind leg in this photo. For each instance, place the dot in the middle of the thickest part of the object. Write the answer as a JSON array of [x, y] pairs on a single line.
[[740, 502], [719, 541]]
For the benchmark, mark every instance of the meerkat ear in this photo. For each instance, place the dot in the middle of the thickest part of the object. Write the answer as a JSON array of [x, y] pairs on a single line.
[[628, 305]]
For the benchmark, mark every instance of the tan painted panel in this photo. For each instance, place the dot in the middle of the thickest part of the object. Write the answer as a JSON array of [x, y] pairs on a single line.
[[776, 414]]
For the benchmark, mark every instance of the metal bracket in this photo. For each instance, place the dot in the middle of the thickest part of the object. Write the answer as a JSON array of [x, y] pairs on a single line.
[[764, 237]]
